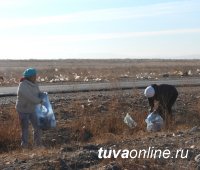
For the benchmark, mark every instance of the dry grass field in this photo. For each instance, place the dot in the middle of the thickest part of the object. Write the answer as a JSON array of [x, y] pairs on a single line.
[[73, 71], [87, 121]]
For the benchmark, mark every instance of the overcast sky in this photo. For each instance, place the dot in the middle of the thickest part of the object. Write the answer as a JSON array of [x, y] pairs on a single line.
[[55, 29]]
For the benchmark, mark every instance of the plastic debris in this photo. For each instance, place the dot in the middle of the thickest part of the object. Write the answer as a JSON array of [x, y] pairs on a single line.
[[129, 121], [154, 122], [45, 115], [197, 158]]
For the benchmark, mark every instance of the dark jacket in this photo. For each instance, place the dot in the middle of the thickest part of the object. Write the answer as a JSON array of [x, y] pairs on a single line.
[[165, 94]]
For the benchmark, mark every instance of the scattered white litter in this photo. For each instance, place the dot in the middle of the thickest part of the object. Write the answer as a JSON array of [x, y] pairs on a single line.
[[129, 121], [85, 79]]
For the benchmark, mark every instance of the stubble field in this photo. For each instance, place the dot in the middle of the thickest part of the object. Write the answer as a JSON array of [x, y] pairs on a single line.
[[87, 121]]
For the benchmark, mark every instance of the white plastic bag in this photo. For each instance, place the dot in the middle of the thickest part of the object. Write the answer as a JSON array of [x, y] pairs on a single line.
[[154, 122], [129, 121], [45, 115]]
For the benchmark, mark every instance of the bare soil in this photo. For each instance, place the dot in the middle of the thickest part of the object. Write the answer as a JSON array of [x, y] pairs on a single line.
[[87, 121]]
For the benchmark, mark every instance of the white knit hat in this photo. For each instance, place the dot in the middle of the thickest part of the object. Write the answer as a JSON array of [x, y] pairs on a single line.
[[149, 92]]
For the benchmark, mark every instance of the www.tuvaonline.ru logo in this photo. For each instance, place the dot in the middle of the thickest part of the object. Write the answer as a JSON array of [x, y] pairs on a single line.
[[149, 153]]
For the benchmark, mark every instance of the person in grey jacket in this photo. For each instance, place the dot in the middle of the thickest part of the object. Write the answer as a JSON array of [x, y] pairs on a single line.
[[27, 98]]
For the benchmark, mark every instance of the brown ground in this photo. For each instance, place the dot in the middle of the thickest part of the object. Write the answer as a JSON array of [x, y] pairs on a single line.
[[72, 71], [83, 126]]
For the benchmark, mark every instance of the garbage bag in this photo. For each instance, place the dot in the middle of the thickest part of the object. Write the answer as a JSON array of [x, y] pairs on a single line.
[[129, 121], [45, 115], [154, 122]]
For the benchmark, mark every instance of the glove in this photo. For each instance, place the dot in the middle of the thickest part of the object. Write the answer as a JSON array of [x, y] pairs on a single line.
[[154, 112], [151, 110]]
